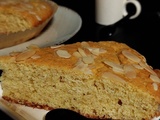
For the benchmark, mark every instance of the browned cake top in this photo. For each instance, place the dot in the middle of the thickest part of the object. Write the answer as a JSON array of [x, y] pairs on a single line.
[[26, 13], [99, 59]]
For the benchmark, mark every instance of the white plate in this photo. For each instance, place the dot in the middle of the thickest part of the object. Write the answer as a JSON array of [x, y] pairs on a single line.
[[64, 25]]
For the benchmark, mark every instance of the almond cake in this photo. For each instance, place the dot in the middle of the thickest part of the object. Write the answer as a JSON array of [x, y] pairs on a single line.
[[99, 80]]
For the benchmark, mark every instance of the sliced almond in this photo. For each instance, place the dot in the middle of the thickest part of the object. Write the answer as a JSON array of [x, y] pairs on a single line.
[[129, 71], [131, 56], [84, 44], [109, 75], [88, 59], [63, 53], [147, 67], [118, 70], [25, 55], [138, 66], [82, 67], [56, 46], [155, 78], [116, 67], [94, 51], [35, 56], [77, 54], [82, 52], [155, 86]]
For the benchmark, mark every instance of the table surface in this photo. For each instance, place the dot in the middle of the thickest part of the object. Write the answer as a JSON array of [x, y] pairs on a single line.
[[142, 33]]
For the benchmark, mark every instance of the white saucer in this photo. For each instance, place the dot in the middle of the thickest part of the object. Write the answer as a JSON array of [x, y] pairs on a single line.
[[64, 25]]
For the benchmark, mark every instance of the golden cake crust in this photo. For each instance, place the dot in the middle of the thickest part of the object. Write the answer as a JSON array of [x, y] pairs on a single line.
[[33, 12]]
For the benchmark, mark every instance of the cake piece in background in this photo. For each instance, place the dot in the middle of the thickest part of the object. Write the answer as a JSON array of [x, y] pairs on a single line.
[[21, 20]]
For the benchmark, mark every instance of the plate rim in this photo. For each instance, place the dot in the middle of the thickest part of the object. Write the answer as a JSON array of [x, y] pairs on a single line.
[[58, 40]]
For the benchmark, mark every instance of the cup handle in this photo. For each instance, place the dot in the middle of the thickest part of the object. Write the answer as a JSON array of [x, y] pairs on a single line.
[[137, 6]]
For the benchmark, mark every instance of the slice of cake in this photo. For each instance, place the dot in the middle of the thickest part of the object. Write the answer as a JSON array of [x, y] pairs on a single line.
[[99, 80]]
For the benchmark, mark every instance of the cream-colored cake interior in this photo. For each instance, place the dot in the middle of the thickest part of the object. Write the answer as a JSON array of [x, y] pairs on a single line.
[[12, 23], [62, 88]]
